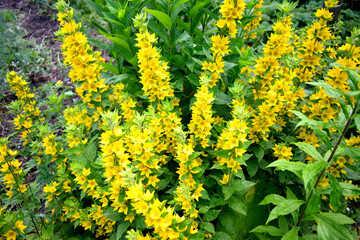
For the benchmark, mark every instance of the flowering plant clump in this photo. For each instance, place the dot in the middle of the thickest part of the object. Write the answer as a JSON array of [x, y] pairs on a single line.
[[189, 140]]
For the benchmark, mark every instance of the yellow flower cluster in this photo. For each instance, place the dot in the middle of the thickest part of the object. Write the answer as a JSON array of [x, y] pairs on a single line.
[[11, 170], [231, 12], [202, 118], [220, 47], [188, 188], [163, 219], [234, 136], [273, 83], [24, 120], [86, 69], [50, 145], [331, 3], [126, 103], [165, 124], [154, 75], [75, 118], [336, 76], [282, 152], [11, 234], [50, 190]]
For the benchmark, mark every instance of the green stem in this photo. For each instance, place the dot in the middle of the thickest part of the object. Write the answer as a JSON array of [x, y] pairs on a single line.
[[328, 161], [33, 196], [23, 196]]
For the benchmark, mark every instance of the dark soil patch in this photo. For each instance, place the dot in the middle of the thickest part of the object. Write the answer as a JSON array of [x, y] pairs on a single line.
[[40, 23]]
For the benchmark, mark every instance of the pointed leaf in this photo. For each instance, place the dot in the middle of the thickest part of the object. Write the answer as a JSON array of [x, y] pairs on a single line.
[[121, 229], [291, 235], [310, 149], [311, 172], [330, 229], [295, 167], [273, 231], [336, 192], [163, 18], [272, 198], [238, 205], [285, 207]]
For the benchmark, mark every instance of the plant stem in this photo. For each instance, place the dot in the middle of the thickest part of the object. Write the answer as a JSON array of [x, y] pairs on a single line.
[[23, 196], [328, 161]]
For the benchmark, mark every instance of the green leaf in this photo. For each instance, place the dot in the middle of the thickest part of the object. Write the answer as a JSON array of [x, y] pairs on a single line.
[[350, 190], [239, 186], [310, 149], [223, 153], [259, 152], [96, 7], [178, 4], [118, 78], [285, 207], [352, 151], [336, 193], [91, 151], [310, 237], [291, 235], [109, 67], [311, 172], [101, 29], [357, 121], [354, 77], [295, 167], [314, 125], [338, 218], [123, 45], [121, 229], [208, 227], [353, 93], [314, 204], [229, 65], [222, 98], [159, 31], [261, 237], [330, 90], [273, 231], [238, 205], [211, 215], [222, 236], [100, 44], [283, 224], [197, 236], [272, 198], [194, 155], [328, 228], [197, 8], [162, 17], [113, 215]]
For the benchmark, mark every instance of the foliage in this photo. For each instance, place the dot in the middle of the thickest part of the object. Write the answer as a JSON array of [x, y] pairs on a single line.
[[193, 130]]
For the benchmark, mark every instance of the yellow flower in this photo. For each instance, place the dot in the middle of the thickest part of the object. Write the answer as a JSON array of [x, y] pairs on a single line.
[[331, 3], [19, 224], [324, 13], [86, 172], [10, 235], [22, 188], [225, 179], [220, 45]]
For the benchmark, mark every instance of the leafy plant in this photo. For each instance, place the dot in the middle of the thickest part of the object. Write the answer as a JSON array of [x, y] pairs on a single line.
[[193, 130]]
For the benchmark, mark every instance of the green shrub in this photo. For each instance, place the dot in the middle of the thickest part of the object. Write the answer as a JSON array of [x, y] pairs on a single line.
[[197, 131]]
